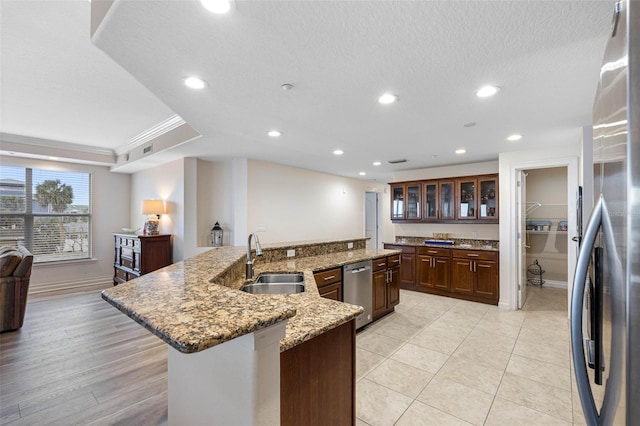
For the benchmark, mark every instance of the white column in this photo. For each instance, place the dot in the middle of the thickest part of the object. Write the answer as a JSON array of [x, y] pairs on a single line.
[[237, 382]]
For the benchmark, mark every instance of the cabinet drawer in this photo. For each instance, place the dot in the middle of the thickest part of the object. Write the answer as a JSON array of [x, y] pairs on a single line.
[[127, 262], [331, 291], [470, 254], [327, 277], [379, 264], [393, 261], [122, 275], [404, 249], [432, 251]]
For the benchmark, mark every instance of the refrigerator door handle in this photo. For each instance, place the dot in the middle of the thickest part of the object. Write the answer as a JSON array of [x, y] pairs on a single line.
[[577, 301]]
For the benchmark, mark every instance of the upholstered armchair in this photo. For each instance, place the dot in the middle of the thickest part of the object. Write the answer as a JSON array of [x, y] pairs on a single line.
[[15, 273]]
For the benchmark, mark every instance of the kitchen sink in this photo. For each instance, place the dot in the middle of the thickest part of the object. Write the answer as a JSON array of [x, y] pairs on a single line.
[[276, 284]]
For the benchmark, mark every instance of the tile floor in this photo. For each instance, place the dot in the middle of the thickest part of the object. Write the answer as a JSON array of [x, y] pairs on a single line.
[[441, 361]]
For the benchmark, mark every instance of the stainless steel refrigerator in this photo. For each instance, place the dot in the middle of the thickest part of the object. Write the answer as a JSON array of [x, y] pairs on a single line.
[[605, 305]]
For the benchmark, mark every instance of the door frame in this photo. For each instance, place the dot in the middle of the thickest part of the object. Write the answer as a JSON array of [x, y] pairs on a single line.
[[509, 169]]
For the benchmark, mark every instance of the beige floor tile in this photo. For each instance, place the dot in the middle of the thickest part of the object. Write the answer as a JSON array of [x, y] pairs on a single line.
[[398, 329], [493, 358], [498, 328], [419, 357], [458, 400], [441, 337], [462, 319], [378, 343], [420, 414], [378, 405], [463, 306], [361, 422], [468, 373], [543, 351], [540, 371], [400, 377], [483, 339], [428, 313], [505, 412], [538, 396], [503, 316], [366, 361]]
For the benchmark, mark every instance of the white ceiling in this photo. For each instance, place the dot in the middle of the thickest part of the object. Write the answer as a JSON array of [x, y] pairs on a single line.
[[340, 56]]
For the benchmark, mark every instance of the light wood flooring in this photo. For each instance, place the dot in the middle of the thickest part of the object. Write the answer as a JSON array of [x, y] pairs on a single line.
[[79, 361]]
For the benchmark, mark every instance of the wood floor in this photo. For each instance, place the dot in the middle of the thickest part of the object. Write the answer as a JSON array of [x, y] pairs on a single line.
[[78, 360]]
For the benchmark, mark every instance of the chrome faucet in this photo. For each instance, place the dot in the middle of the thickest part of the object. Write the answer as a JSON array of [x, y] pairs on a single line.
[[250, 262]]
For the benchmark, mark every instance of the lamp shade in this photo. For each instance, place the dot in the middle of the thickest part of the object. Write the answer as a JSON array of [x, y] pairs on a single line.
[[152, 207]]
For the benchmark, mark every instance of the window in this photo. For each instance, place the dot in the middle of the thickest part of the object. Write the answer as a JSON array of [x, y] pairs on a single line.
[[48, 212]]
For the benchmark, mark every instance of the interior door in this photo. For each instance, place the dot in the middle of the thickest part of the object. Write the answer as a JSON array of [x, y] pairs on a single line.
[[521, 212], [371, 219]]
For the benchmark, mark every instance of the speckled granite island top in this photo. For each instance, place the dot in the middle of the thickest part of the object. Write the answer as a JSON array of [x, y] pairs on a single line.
[[196, 304]]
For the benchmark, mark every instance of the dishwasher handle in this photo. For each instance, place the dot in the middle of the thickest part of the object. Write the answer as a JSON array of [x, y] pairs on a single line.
[[361, 269]]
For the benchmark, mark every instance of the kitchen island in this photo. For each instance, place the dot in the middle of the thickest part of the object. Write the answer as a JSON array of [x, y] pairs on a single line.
[[196, 307]]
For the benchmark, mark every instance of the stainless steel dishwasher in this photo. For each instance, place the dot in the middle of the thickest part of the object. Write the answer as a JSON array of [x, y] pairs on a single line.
[[358, 289]]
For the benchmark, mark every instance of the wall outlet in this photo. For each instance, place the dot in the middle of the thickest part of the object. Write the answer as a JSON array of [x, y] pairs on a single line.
[[261, 228], [291, 253], [349, 245], [474, 234]]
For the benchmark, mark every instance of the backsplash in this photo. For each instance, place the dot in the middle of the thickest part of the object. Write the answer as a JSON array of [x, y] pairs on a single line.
[[458, 242]]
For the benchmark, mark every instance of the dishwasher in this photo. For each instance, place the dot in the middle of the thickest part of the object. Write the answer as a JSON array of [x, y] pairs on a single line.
[[358, 289]]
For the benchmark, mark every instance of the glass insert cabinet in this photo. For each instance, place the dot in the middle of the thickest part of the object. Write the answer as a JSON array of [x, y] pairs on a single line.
[[469, 198]]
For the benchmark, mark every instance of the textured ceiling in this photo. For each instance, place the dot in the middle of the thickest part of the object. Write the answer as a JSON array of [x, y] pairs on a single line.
[[339, 55]]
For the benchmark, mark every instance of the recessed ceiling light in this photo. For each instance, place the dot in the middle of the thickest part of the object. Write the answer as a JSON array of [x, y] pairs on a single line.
[[218, 6], [486, 91], [287, 86], [514, 137], [377, 163], [460, 151], [363, 173], [470, 124], [338, 152], [274, 133], [388, 98], [194, 83]]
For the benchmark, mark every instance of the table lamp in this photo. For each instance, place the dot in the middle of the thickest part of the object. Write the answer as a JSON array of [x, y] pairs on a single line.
[[153, 208]]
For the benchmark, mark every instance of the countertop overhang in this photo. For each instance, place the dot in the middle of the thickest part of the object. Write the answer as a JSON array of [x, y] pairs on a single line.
[[196, 304]]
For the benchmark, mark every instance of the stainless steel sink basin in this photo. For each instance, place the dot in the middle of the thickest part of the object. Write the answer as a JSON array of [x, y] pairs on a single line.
[[276, 284], [280, 278]]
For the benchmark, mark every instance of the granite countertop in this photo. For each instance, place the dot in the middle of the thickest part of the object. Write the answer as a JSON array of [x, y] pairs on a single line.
[[487, 245], [196, 304]]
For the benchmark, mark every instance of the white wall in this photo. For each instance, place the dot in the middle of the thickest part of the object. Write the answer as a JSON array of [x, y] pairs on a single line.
[[110, 213], [165, 182], [291, 204], [482, 231]]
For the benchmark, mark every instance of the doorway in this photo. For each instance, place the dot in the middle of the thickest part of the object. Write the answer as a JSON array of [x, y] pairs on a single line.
[[372, 216]]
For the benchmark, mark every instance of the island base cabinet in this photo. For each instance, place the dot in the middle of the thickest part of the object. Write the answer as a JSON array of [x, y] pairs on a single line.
[[317, 380]]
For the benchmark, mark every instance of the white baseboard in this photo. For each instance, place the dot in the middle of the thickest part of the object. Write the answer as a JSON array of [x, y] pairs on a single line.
[[87, 284], [555, 284]]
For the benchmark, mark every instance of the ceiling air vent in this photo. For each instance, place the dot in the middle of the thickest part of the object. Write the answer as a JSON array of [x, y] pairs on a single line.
[[397, 161], [147, 149]]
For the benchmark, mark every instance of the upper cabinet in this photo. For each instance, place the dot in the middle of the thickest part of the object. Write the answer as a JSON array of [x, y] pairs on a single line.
[[469, 198], [406, 201]]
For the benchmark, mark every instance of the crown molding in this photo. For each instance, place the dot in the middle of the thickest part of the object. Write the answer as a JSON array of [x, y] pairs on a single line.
[[152, 133], [53, 144]]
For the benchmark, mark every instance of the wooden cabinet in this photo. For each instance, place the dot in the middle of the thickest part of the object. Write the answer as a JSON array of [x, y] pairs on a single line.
[[456, 199], [475, 273], [406, 201], [461, 273], [317, 379], [386, 286], [136, 255], [407, 261], [330, 283], [439, 201], [434, 265], [477, 198]]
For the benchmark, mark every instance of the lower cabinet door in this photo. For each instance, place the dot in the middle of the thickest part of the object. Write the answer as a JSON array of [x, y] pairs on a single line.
[[425, 271], [462, 276], [332, 291], [487, 279], [393, 287], [379, 292], [441, 274]]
